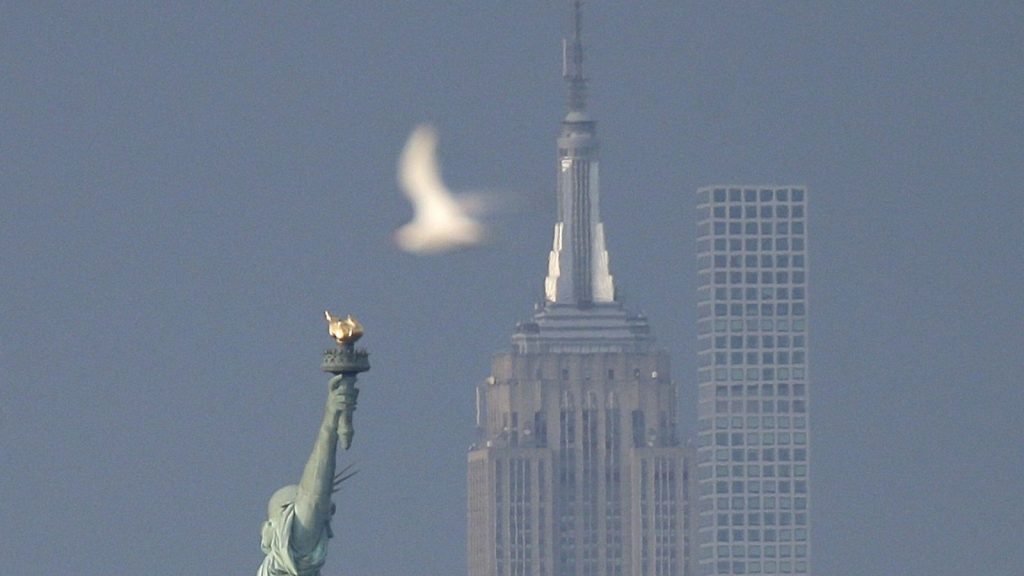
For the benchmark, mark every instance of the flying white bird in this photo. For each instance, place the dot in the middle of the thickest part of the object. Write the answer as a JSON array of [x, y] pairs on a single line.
[[441, 222]]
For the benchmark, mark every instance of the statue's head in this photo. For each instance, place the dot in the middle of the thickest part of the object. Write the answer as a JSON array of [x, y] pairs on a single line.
[[275, 513]]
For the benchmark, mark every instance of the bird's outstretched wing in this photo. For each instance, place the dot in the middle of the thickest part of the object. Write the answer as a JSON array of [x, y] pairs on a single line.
[[439, 224], [420, 178]]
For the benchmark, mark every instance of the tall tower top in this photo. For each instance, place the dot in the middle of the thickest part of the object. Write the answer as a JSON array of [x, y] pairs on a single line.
[[578, 265], [572, 62], [580, 312]]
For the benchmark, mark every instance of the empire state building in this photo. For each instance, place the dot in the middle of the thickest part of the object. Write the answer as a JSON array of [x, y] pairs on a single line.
[[578, 469]]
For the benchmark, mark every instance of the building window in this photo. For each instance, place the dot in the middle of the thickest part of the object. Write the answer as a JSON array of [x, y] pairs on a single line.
[[638, 428]]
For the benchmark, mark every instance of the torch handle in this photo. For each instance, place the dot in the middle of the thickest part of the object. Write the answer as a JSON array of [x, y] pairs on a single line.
[[346, 430]]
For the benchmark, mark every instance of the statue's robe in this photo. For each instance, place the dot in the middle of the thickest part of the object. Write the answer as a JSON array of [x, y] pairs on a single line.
[[281, 559]]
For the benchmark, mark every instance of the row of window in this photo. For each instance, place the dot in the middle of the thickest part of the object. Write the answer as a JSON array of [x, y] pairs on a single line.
[[738, 471], [740, 228], [754, 470], [750, 374], [757, 520], [768, 422], [754, 487], [763, 229], [754, 211], [754, 341], [753, 502], [726, 439], [755, 358], [723, 278], [752, 294], [751, 535], [722, 310], [755, 551], [755, 406], [719, 504], [743, 471], [751, 261], [756, 245], [752, 422], [752, 245], [751, 194], [751, 325], [785, 356], [756, 438], [786, 504], [760, 406], [751, 358], [741, 391], [753, 567]]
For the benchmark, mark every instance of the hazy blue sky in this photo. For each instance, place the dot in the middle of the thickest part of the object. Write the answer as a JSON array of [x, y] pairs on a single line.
[[184, 187]]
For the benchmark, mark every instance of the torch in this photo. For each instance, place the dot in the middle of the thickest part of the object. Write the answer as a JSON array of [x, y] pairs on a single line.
[[345, 362]]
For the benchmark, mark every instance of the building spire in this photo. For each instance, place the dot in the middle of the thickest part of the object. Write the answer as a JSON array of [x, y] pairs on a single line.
[[578, 264], [572, 62]]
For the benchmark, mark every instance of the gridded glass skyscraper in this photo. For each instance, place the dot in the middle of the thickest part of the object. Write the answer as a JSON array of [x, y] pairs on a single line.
[[753, 448]]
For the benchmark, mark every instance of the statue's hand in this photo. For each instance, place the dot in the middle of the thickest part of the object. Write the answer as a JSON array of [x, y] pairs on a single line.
[[341, 394]]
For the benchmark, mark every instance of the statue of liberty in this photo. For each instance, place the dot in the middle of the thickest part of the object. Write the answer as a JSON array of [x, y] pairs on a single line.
[[294, 537]]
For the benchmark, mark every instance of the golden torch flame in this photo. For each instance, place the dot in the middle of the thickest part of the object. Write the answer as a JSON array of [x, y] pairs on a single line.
[[344, 330]]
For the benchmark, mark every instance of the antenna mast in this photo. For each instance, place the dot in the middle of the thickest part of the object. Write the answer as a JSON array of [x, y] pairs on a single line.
[[572, 62]]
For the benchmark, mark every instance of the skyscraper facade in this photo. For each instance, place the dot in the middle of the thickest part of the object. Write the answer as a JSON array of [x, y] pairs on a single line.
[[578, 469], [753, 447]]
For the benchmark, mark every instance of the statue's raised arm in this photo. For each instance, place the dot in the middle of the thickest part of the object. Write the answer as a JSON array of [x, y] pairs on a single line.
[[294, 537]]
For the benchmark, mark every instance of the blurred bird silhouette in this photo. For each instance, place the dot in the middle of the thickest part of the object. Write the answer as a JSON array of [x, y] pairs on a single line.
[[441, 222]]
